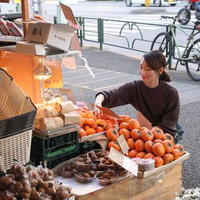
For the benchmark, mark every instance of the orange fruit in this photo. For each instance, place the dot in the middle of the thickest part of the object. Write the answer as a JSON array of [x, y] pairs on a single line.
[[124, 125], [92, 123], [132, 153], [176, 154], [135, 134], [180, 148], [133, 124], [90, 131], [82, 133], [149, 155], [124, 118], [167, 136], [147, 135], [125, 133], [148, 146], [112, 134], [158, 161], [167, 158], [99, 129], [130, 143], [140, 154], [169, 146], [114, 144], [158, 149], [157, 133], [139, 145]]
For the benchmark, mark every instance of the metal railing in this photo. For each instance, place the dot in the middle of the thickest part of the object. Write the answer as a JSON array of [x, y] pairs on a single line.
[[130, 35]]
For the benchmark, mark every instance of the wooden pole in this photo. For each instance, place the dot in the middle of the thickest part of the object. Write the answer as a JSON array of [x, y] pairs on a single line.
[[25, 15]]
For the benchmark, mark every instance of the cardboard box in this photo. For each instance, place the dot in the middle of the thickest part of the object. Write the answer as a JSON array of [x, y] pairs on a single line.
[[30, 48], [57, 36]]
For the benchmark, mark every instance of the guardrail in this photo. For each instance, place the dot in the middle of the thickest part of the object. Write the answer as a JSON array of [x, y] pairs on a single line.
[[131, 35]]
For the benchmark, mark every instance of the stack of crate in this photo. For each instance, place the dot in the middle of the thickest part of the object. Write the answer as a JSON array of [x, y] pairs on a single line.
[[54, 147]]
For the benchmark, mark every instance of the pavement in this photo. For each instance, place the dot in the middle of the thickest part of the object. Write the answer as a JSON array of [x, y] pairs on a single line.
[[113, 68]]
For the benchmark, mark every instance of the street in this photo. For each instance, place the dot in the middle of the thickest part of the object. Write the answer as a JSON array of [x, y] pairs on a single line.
[[113, 67]]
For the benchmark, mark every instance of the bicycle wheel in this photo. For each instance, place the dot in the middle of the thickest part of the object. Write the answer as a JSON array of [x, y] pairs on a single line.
[[193, 64], [163, 43], [184, 16]]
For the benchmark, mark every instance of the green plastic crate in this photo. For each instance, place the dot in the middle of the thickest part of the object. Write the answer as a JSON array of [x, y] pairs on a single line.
[[85, 147], [47, 144], [52, 159]]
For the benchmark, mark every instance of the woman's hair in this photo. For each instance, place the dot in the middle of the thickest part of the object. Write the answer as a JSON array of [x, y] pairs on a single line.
[[155, 60]]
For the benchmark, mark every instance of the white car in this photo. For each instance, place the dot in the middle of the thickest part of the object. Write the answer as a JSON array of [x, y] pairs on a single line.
[[156, 3]]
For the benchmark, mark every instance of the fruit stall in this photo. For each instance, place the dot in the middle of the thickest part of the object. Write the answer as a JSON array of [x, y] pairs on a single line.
[[53, 147]]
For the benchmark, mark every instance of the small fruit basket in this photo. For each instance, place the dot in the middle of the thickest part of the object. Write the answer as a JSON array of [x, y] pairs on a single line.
[[106, 177], [110, 164], [82, 163], [84, 177], [67, 171], [97, 154]]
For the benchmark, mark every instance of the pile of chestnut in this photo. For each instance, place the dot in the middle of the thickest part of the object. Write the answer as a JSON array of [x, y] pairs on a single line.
[[31, 183]]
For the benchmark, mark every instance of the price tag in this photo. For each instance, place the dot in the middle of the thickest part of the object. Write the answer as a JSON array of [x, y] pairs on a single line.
[[123, 161], [55, 81], [123, 144]]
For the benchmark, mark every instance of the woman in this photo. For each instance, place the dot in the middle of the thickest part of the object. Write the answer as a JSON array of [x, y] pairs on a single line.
[[152, 96]]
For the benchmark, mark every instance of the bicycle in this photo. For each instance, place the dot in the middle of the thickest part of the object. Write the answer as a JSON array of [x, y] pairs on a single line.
[[167, 41]]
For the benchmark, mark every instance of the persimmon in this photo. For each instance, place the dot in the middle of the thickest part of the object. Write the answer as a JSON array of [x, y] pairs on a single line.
[[147, 135], [180, 148], [83, 115], [149, 155], [139, 145], [167, 158], [167, 136], [140, 154], [84, 121], [132, 153], [157, 133], [109, 125], [99, 129], [135, 134], [124, 118], [91, 116], [148, 146], [176, 154], [157, 140], [114, 144], [92, 123], [168, 145], [158, 149], [133, 124], [158, 161], [101, 122], [82, 133], [130, 143], [86, 127], [80, 124], [112, 134], [124, 125], [90, 131], [125, 133], [142, 128]]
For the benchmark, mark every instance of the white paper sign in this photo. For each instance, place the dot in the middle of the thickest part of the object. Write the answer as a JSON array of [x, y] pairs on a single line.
[[123, 144], [123, 161]]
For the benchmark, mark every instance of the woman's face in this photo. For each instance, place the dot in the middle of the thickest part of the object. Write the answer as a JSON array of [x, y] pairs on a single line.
[[149, 76]]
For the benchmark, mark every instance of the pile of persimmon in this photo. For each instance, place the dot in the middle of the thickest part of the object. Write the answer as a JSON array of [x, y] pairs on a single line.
[[93, 122], [145, 143]]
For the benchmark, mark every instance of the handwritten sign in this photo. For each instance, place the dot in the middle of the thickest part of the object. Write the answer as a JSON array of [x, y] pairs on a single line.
[[123, 144], [123, 161]]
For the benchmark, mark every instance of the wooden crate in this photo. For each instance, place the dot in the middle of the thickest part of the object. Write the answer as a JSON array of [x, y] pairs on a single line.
[[161, 185]]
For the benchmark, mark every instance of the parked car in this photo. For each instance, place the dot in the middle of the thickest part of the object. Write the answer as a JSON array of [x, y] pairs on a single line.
[[156, 3]]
